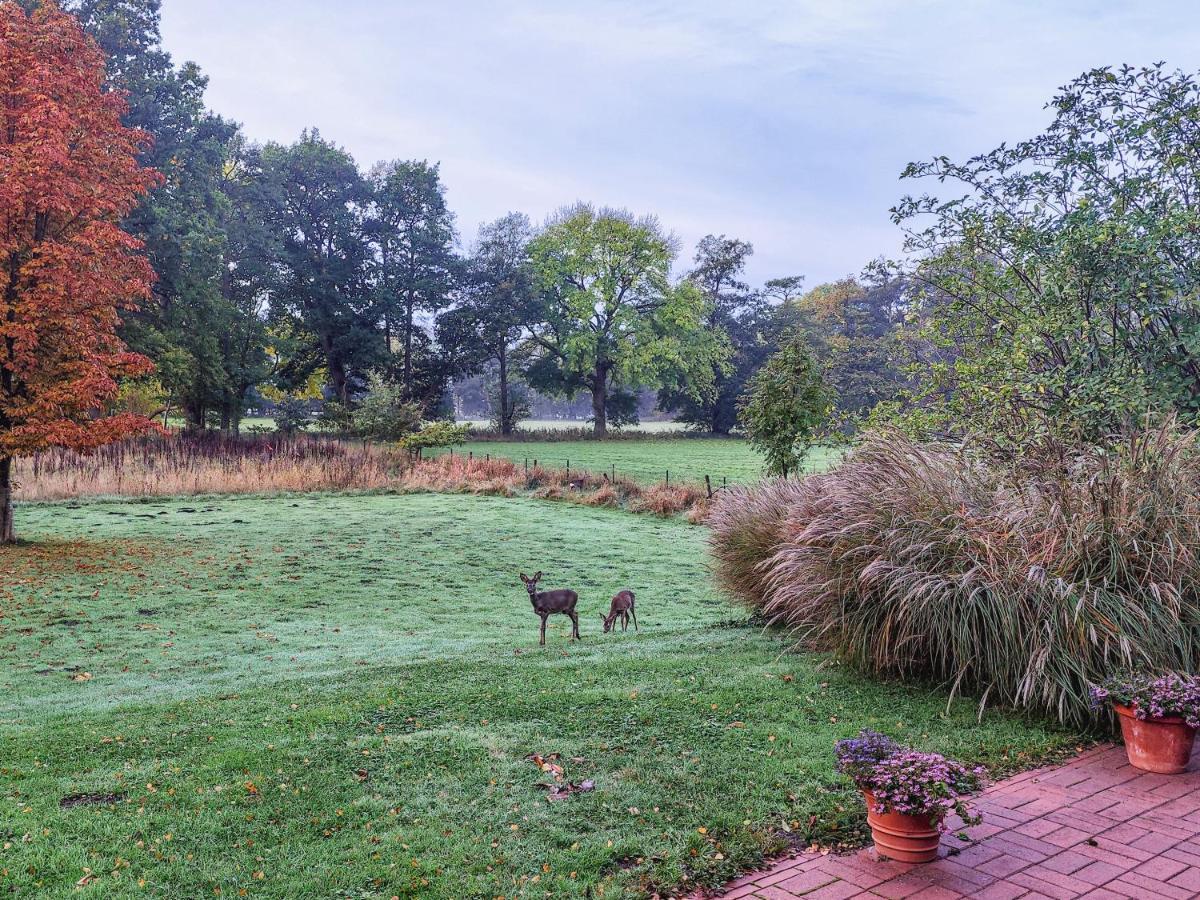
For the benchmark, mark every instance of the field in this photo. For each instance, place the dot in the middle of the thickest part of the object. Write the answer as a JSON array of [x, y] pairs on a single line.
[[562, 424], [337, 696], [687, 459]]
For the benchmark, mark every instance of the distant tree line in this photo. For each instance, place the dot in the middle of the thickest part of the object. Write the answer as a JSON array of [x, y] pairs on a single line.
[[289, 276]]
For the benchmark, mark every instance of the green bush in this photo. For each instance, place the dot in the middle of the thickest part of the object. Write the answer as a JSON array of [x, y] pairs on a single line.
[[434, 434], [1021, 586]]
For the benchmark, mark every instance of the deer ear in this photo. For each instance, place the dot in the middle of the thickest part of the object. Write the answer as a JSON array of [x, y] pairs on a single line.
[[524, 578], [537, 576]]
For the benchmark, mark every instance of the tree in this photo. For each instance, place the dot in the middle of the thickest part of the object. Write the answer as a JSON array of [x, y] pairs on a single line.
[[209, 344], [785, 405], [1058, 296], [497, 304], [608, 313], [68, 172], [853, 331], [719, 264], [414, 270], [315, 198]]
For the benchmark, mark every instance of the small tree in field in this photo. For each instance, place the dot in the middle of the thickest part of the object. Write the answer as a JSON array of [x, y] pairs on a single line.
[[68, 173], [785, 405]]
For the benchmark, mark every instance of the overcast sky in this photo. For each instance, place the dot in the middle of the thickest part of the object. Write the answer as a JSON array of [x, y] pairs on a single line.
[[783, 123]]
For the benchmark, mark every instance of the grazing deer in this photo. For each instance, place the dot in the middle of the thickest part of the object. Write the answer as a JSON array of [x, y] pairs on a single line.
[[621, 607], [544, 603]]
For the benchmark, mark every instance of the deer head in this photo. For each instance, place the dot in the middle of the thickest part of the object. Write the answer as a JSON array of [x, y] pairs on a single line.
[[531, 584]]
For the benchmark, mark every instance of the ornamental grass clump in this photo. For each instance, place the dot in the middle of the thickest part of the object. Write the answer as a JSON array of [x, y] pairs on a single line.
[[1153, 697], [907, 781], [1023, 584]]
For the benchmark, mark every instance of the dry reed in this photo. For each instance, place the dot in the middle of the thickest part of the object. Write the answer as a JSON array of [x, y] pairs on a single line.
[[266, 464]]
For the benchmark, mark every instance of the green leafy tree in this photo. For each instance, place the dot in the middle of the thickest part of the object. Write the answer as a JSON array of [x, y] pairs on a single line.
[[413, 271], [853, 329], [786, 405], [1058, 295], [314, 198], [609, 317], [487, 325], [732, 308], [208, 341]]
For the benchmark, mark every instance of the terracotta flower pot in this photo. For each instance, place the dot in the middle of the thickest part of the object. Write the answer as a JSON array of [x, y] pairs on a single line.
[[1156, 745], [903, 837]]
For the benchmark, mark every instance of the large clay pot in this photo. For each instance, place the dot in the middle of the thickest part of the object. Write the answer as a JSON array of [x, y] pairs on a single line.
[[903, 837], [1156, 745]]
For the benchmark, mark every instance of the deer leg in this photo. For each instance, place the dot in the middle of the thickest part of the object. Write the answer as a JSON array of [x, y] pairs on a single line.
[[624, 621], [542, 642], [574, 625], [634, 612]]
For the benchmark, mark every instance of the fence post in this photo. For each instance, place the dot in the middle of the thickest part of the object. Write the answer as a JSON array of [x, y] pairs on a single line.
[[470, 456], [668, 477], [568, 469], [614, 478], [527, 467], [708, 486], [489, 458]]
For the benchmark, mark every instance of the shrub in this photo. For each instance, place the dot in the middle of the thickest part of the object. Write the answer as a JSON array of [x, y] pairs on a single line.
[[292, 415], [385, 414], [1024, 587], [434, 434]]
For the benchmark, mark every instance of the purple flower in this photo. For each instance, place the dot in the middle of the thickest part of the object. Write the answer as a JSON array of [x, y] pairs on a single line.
[[1153, 697], [906, 780]]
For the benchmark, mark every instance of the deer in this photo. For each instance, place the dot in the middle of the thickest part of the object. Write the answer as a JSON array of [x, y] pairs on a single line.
[[561, 600], [622, 608]]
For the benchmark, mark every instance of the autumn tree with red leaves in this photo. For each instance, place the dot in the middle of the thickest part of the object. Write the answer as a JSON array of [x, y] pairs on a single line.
[[68, 174]]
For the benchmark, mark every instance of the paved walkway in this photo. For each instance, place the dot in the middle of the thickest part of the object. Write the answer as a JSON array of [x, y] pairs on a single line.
[[1094, 827]]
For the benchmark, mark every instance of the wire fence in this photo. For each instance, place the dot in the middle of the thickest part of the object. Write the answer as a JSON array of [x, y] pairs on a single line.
[[609, 473]]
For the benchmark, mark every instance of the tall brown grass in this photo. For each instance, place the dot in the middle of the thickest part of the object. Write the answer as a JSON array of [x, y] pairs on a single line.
[[183, 465], [1021, 586]]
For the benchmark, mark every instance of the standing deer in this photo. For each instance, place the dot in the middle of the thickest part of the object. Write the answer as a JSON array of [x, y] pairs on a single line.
[[544, 603], [622, 607]]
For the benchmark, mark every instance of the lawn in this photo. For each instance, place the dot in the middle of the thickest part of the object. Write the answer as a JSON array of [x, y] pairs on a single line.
[[687, 459], [335, 696]]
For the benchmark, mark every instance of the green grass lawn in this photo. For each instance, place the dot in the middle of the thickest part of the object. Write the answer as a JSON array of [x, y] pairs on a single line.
[[687, 459], [335, 696]]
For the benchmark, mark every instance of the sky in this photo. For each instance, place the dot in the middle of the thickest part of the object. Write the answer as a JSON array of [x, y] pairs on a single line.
[[785, 124]]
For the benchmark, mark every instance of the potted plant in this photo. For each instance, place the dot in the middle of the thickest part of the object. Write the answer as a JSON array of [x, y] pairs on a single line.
[[908, 793], [1159, 716]]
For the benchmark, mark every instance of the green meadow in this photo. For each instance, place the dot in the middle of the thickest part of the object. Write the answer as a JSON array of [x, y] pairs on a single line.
[[340, 695]]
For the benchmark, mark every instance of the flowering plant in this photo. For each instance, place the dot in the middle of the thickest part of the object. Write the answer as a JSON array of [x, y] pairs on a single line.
[[1153, 697], [907, 781]]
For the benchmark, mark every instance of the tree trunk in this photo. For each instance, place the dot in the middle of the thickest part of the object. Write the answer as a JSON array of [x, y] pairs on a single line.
[[600, 402], [8, 534], [337, 371], [408, 333], [506, 424]]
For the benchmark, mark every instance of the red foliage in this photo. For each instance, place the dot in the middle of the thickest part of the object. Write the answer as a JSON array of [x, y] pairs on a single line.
[[68, 173]]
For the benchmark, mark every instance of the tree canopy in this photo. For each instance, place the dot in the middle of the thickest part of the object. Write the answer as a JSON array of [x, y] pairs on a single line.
[[1059, 295]]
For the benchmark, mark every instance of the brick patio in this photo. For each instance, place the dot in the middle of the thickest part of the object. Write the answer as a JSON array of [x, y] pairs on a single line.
[[1094, 827]]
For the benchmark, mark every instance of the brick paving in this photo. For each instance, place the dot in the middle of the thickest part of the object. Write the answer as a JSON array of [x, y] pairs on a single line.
[[1093, 827]]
